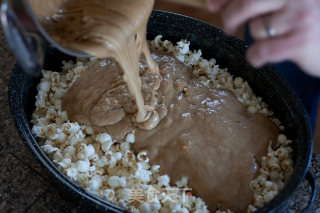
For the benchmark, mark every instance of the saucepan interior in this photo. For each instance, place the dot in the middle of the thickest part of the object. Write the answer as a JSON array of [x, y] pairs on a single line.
[[229, 52]]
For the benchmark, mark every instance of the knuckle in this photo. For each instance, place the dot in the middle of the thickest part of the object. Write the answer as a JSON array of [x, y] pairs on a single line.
[[307, 19], [261, 51], [275, 51], [300, 38]]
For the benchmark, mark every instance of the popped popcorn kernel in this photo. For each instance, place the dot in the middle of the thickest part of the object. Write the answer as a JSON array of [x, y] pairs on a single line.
[[111, 169]]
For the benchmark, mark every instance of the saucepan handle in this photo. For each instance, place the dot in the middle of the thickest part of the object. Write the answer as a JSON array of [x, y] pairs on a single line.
[[310, 178], [27, 46]]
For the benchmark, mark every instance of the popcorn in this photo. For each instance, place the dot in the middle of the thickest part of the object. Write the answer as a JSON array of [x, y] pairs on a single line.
[[168, 45], [93, 185], [282, 139], [143, 175], [76, 138], [155, 168], [252, 109], [110, 169], [163, 180], [114, 181], [183, 182], [72, 173], [38, 130], [103, 161], [287, 165], [130, 138], [122, 181], [124, 146], [109, 194], [183, 47], [157, 43], [117, 156], [93, 158], [83, 166], [49, 149], [106, 146], [44, 86], [70, 127], [90, 150], [80, 153], [251, 208], [142, 156], [104, 138], [164, 210], [268, 196], [70, 150], [89, 130], [273, 162], [57, 157], [65, 163], [145, 207]]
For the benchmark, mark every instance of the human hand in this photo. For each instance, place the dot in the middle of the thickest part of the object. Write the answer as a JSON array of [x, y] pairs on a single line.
[[293, 35]]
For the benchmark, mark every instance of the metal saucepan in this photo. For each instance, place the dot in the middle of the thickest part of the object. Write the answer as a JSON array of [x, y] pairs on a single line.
[[27, 38]]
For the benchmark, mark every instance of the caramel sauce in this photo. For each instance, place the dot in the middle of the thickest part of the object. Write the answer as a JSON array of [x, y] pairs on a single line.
[[201, 133]]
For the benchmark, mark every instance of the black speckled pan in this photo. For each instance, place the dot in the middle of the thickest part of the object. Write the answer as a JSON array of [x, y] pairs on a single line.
[[229, 52]]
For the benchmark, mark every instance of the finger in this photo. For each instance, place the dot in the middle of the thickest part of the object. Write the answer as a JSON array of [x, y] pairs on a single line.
[[273, 50], [215, 5], [240, 11], [279, 21]]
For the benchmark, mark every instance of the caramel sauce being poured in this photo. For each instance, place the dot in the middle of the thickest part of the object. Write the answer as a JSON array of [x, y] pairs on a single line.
[[107, 29], [204, 134], [190, 130]]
